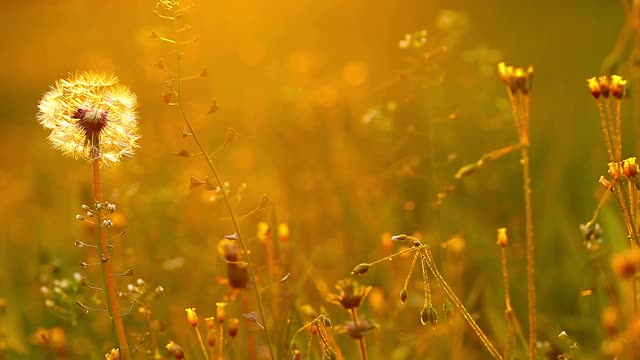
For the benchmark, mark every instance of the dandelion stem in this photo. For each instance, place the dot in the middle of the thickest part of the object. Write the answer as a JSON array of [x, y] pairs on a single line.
[[227, 202], [107, 270]]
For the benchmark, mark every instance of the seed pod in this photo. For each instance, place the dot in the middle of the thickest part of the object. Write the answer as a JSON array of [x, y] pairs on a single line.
[[361, 269], [403, 295]]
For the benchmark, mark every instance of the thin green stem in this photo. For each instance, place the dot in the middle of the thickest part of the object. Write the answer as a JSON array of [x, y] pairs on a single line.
[[227, 202]]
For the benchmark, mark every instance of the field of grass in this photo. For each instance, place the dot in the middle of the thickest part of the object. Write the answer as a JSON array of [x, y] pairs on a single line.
[[319, 180]]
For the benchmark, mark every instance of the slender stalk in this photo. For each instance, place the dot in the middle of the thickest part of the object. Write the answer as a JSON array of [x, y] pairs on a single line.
[[107, 270], [531, 286], [356, 322], [515, 329], [204, 350], [227, 202]]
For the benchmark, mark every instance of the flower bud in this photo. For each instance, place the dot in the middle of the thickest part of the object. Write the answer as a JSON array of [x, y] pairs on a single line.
[[502, 237], [192, 317], [233, 327], [221, 313], [403, 295]]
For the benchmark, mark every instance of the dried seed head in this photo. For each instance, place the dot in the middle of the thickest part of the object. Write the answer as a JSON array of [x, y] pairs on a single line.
[[502, 237], [192, 317], [90, 116]]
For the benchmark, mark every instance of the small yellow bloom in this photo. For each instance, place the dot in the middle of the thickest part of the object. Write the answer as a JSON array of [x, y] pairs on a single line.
[[618, 86], [594, 87], [91, 116], [192, 317], [221, 312], [502, 237]]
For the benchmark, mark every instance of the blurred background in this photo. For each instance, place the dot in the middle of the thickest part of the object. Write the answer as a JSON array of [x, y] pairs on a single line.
[[351, 137]]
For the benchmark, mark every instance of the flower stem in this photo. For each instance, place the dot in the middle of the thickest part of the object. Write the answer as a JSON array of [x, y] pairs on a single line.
[[356, 322], [107, 270], [531, 286], [204, 350]]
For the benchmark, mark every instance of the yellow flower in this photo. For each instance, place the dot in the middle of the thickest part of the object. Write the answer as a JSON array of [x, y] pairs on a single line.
[[192, 317], [91, 116]]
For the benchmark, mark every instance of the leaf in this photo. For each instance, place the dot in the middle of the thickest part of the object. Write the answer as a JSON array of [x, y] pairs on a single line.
[[253, 317], [194, 182]]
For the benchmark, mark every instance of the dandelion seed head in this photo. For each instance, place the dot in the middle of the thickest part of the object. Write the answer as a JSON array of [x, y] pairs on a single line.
[[91, 116]]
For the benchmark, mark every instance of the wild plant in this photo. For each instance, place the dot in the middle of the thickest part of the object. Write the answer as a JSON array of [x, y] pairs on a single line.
[[92, 116], [173, 11]]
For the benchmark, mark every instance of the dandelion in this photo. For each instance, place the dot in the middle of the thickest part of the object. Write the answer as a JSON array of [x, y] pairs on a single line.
[[91, 116]]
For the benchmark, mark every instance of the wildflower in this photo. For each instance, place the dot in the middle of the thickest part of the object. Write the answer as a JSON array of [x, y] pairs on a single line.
[[192, 317], [502, 237], [618, 86], [221, 312], [629, 167], [91, 116], [350, 294], [594, 87]]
